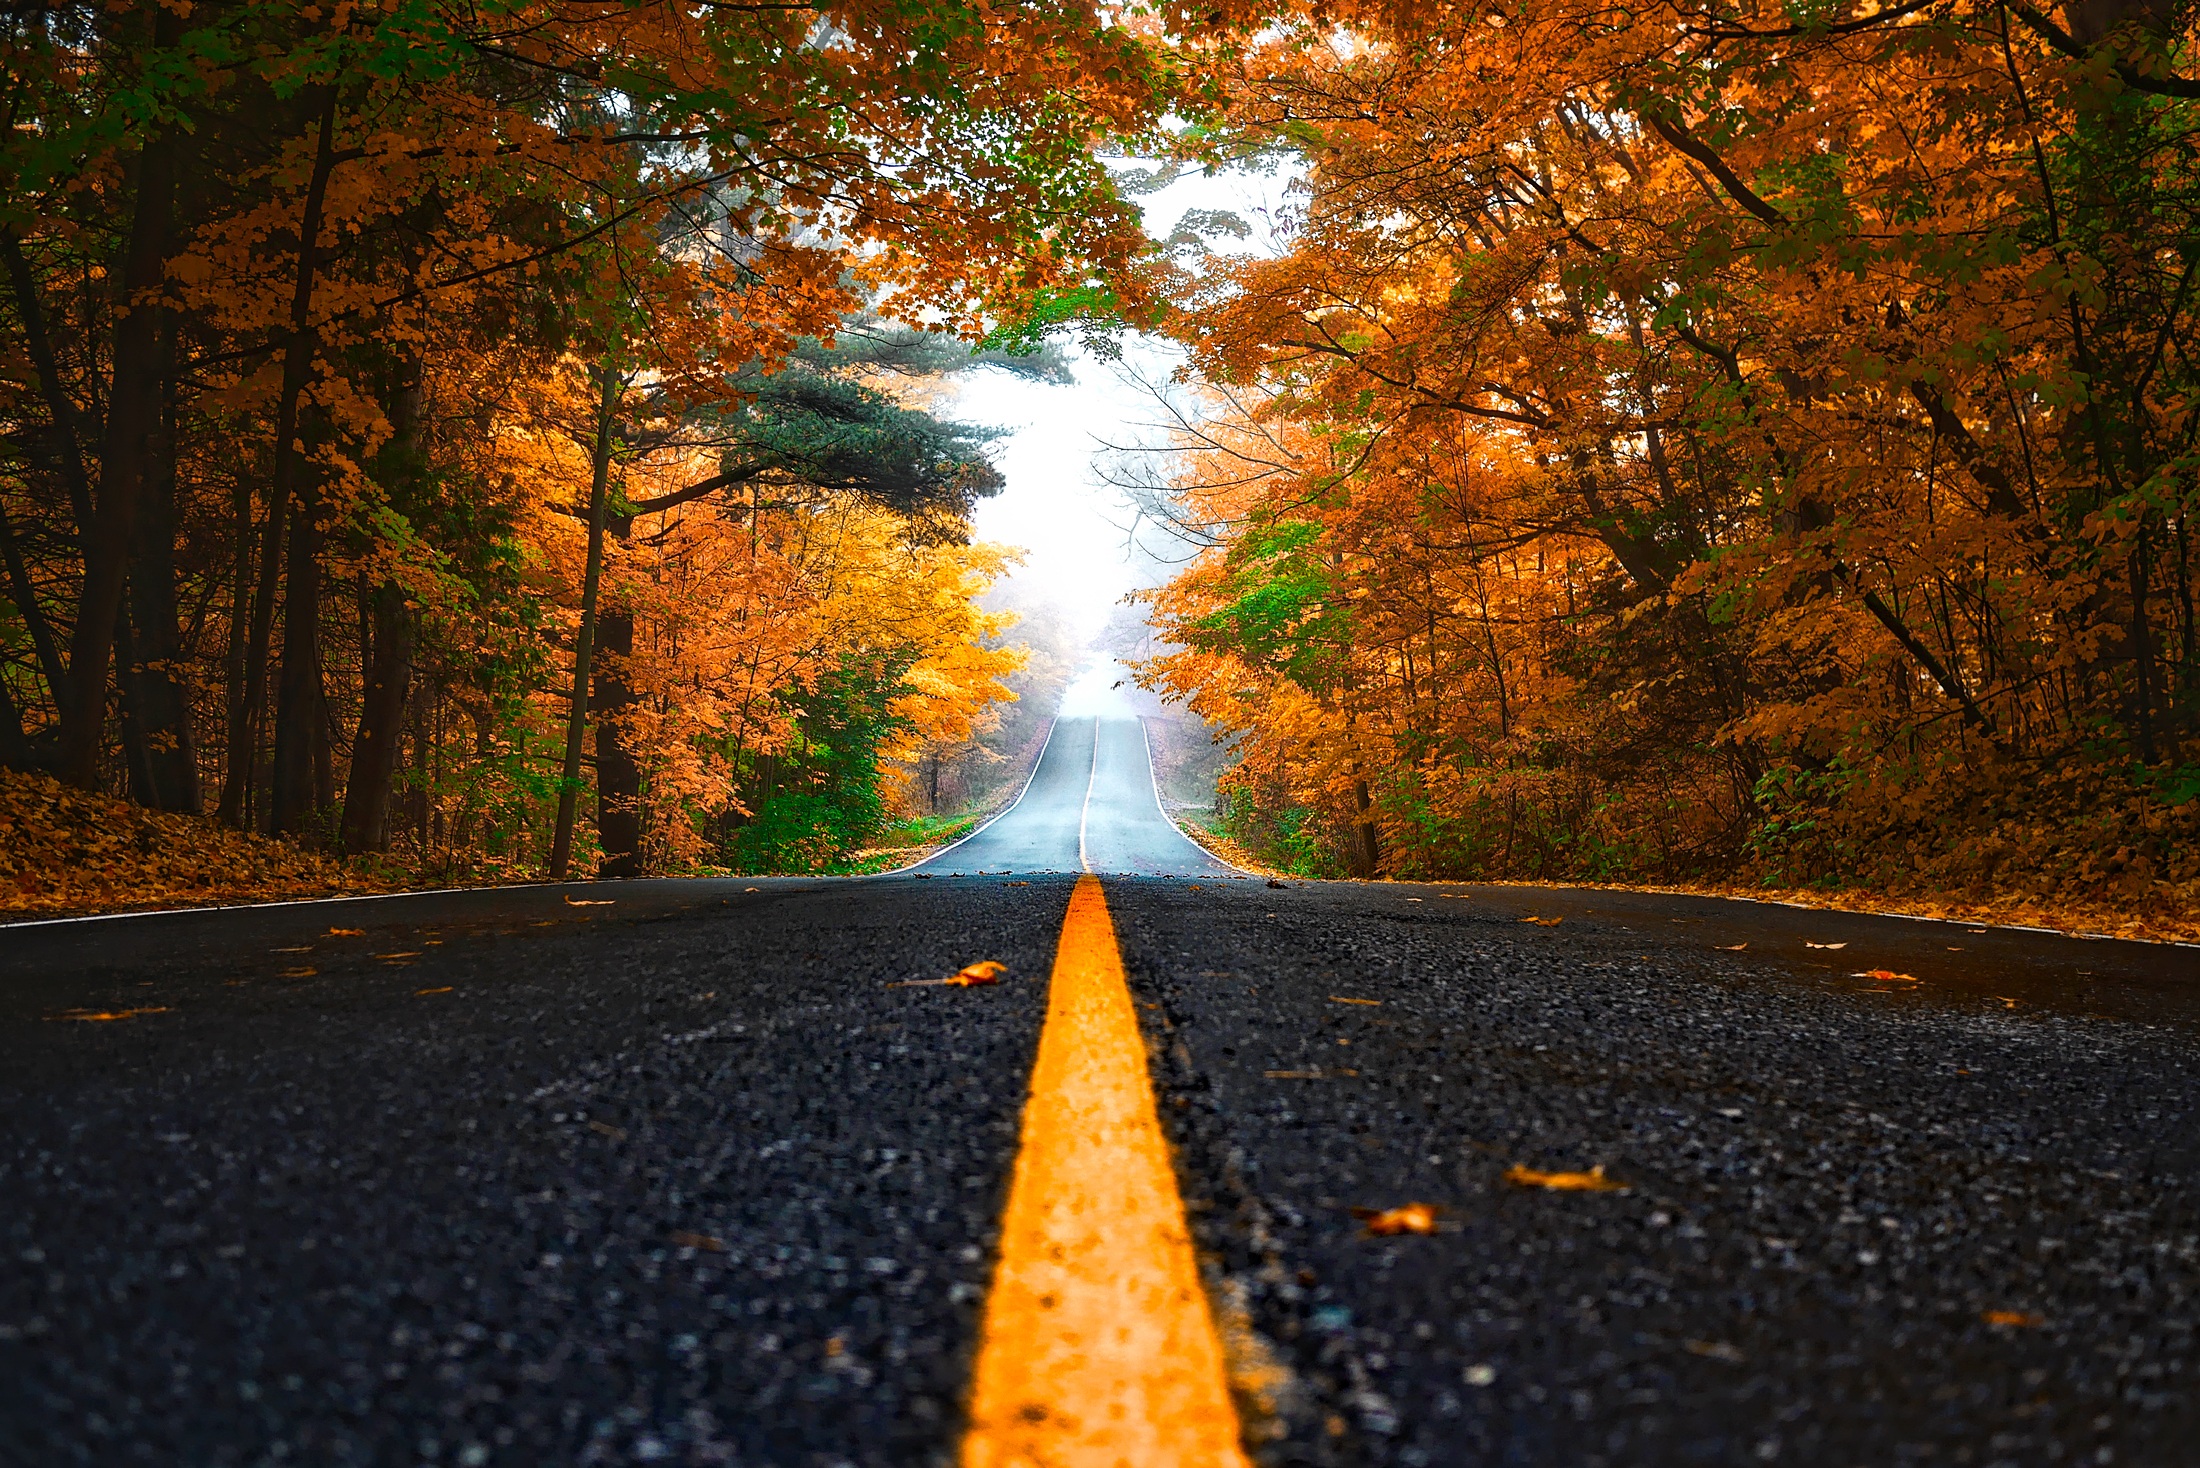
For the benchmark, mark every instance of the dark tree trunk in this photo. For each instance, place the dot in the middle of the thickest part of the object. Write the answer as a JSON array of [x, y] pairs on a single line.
[[561, 840], [244, 743], [299, 708], [165, 771], [16, 752], [300, 711], [381, 724], [237, 753], [618, 776], [387, 650], [66, 449], [128, 448], [24, 593], [1367, 854], [137, 757], [66, 442], [2142, 637]]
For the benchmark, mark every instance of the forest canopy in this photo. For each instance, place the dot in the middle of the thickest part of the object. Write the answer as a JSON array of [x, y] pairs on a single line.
[[1689, 438], [421, 422]]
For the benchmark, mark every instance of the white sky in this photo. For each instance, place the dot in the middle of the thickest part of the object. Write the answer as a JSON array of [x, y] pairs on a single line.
[[1069, 524]]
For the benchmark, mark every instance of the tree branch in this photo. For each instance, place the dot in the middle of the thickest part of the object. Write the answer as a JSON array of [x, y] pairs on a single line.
[[1716, 166]]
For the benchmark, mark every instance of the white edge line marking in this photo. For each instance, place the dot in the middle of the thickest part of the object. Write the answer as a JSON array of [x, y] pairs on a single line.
[[1085, 814], [1153, 778], [997, 815], [112, 917]]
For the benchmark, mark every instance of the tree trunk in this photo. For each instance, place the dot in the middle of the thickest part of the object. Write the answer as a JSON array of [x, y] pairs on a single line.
[[237, 753], [381, 721], [387, 631], [298, 702], [576, 724], [127, 449], [2142, 637], [16, 752], [24, 593], [165, 774], [67, 452], [618, 776], [1367, 853]]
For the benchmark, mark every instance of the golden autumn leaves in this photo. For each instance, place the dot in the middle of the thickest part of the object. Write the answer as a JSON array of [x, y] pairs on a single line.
[[982, 973], [1546, 534], [65, 850], [1420, 1218]]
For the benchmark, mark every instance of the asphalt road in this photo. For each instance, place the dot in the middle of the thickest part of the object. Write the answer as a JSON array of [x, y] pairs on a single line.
[[490, 1177], [1090, 806]]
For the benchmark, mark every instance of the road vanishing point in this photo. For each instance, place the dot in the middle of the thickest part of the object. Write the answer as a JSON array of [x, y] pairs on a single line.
[[1220, 1171]]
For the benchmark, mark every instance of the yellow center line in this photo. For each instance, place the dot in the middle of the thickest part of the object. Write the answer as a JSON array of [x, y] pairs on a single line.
[[1099, 1349]]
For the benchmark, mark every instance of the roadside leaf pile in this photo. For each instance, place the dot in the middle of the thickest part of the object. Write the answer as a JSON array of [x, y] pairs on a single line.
[[66, 851]]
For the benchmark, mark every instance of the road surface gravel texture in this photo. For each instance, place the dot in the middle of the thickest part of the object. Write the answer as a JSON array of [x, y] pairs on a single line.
[[694, 1174]]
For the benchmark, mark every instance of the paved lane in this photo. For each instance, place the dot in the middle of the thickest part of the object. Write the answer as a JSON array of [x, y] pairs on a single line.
[[675, 1179], [1091, 806], [1835, 1188]]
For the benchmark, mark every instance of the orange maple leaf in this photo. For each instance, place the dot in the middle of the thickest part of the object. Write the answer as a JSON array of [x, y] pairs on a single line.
[[1592, 1181], [1410, 1218]]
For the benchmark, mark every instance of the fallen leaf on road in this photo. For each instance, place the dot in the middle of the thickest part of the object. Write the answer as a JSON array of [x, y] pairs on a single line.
[[1341, 999], [590, 901], [1413, 1218], [1886, 976], [347, 932], [1027, 884], [300, 973], [302, 948], [415, 953], [2012, 1317], [1592, 1181], [1716, 1350], [444, 990], [708, 1244], [91, 1015], [605, 1128], [984, 971], [2006, 1001], [1808, 944], [1730, 947], [1543, 922]]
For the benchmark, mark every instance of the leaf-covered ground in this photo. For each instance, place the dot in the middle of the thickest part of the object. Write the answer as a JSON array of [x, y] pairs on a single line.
[[65, 851], [2154, 911], [2156, 917]]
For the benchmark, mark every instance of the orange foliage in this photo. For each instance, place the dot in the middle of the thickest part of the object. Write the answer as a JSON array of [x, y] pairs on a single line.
[[1682, 444], [306, 315]]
